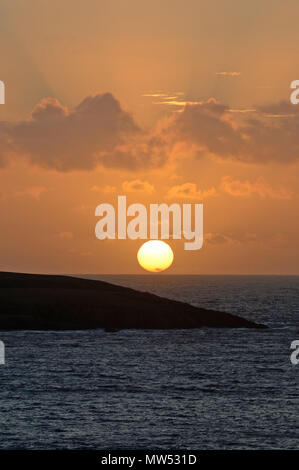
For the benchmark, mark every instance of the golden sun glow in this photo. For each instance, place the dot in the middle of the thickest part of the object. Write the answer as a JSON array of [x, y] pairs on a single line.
[[155, 256]]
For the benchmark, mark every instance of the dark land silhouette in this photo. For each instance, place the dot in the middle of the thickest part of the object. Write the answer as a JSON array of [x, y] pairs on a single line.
[[50, 302]]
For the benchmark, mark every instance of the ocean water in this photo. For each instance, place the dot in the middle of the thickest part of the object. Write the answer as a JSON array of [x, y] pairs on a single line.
[[183, 389]]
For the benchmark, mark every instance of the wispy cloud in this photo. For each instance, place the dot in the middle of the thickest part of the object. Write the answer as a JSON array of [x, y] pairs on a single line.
[[259, 187], [216, 238], [172, 103], [105, 189], [154, 95], [189, 191], [242, 110], [138, 186], [168, 98], [65, 235], [33, 191], [228, 74]]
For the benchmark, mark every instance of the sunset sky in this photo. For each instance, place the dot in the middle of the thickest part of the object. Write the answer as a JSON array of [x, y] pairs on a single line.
[[161, 101]]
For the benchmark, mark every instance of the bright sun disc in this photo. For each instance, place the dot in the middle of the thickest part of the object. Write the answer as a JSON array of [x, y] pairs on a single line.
[[155, 256]]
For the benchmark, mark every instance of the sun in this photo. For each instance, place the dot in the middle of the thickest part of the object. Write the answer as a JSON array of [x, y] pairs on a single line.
[[155, 256]]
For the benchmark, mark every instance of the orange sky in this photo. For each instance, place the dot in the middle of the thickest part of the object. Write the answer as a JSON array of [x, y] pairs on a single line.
[[162, 101]]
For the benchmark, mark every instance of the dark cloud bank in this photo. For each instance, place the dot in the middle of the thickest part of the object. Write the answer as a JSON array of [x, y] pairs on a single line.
[[99, 131]]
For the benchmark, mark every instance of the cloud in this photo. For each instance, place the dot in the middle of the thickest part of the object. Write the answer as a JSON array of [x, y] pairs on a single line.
[[33, 191], [4, 144], [58, 138], [189, 191], [231, 186], [173, 102], [109, 189], [65, 235], [273, 135], [155, 95], [215, 238], [229, 74], [105, 189], [175, 99], [145, 150], [237, 238], [213, 130], [259, 187], [242, 110], [138, 186], [100, 132], [208, 127]]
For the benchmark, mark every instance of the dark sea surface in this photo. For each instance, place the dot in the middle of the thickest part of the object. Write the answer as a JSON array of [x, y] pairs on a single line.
[[178, 389]]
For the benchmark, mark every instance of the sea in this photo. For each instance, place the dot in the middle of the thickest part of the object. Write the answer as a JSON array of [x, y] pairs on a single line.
[[172, 389]]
